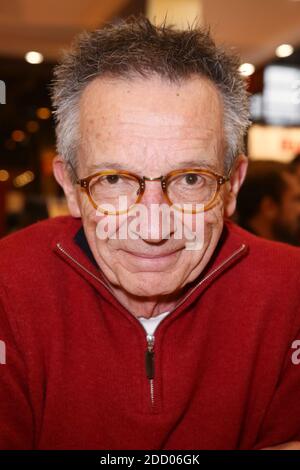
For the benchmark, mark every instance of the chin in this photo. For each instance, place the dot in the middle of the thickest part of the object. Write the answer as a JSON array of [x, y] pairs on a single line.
[[148, 284]]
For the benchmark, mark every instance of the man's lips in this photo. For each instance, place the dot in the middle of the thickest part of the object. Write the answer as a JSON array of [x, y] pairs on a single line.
[[152, 256]]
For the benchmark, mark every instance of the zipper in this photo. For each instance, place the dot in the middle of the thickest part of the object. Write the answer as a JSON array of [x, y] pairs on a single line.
[[149, 363], [149, 353], [82, 267]]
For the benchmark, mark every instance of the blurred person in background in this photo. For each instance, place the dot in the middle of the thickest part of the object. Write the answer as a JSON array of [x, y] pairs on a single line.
[[268, 203], [114, 342]]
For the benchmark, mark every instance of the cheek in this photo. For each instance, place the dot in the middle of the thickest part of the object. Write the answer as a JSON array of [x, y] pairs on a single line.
[[91, 222], [200, 222], [213, 220], [89, 218], [93, 219], [193, 262], [208, 232]]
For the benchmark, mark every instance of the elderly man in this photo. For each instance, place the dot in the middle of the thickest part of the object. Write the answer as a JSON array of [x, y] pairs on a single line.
[[148, 341]]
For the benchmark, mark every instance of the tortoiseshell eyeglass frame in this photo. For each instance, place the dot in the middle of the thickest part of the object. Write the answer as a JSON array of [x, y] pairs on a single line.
[[84, 183]]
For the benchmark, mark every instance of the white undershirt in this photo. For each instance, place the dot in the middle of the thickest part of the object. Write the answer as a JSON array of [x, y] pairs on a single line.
[[150, 324]]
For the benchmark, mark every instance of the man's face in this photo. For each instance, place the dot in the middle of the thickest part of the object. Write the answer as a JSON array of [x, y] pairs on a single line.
[[287, 222], [150, 127]]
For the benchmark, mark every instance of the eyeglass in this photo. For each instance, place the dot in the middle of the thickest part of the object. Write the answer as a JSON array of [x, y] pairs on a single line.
[[189, 186]]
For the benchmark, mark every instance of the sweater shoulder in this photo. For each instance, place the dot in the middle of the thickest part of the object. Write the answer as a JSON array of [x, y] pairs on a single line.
[[268, 255], [32, 245]]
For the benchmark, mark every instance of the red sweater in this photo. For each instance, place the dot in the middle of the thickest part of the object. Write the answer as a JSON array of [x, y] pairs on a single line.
[[75, 372]]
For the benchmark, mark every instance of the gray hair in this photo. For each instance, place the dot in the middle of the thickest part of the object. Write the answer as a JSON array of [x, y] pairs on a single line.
[[135, 47]]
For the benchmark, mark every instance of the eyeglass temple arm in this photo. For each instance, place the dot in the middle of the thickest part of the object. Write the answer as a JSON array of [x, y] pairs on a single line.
[[74, 173], [229, 174]]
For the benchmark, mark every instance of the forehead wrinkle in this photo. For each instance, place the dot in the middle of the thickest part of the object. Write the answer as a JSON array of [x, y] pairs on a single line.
[[134, 117], [152, 122], [188, 149], [133, 131], [152, 152]]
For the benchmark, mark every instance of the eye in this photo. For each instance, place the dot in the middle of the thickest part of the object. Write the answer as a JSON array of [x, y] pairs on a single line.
[[112, 179], [192, 179]]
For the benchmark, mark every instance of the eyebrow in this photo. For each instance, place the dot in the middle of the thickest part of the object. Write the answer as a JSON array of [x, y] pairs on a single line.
[[107, 165], [197, 163]]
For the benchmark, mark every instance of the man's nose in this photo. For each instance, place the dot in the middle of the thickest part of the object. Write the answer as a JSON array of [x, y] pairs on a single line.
[[157, 221], [153, 193]]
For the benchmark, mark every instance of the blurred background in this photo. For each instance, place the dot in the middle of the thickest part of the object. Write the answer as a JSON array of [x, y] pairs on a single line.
[[265, 33]]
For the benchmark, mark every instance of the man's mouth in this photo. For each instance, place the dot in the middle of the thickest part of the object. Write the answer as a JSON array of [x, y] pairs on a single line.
[[153, 256]]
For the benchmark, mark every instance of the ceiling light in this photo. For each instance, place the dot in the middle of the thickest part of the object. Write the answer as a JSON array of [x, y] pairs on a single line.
[[246, 69], [33, 57], [4, 175], [43, 113], [285, 50], [23, 179], [18, 136]]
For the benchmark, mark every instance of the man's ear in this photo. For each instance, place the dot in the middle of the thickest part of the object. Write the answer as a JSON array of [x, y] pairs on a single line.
[[62, 176], [237, 177]]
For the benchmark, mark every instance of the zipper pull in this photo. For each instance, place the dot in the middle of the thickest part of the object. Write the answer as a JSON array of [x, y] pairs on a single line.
[[149, 357]]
